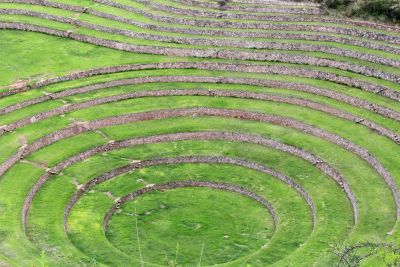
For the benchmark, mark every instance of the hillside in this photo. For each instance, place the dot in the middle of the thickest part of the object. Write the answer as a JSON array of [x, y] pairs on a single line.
[[197, 133]]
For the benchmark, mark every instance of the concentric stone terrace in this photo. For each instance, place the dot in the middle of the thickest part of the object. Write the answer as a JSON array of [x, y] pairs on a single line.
[[195, 133]]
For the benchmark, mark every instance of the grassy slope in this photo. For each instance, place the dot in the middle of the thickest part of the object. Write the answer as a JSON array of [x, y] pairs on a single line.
[[61, 56]]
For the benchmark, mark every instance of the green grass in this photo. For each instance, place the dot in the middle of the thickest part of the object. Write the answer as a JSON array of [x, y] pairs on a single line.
[[237, 153], [201, 172], [183, 227], [129, 104], [114, 24], [103, 35]]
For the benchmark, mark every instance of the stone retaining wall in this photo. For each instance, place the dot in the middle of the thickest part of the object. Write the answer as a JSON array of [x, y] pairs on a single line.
[[182, 184], [224, 24], [211, 53], [236, 114], [227, 80], [274, 2], [196, 92], [216, 42], [64, 133], [179, 160], [288, 9], [236, 137], [280, 18], [237, 67], [210, 32]]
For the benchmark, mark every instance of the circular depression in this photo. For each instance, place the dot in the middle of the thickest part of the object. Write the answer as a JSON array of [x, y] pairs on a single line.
[[186, 222]]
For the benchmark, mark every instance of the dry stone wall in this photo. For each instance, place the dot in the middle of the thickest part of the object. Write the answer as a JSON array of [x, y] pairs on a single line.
[[181, 184], [237, 137], [210, 32], [199, 92], [292, 7], [254, 68], [217, 42], [188, 159]]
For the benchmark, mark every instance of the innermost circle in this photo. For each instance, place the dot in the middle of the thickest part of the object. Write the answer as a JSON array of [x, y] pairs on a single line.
[[186, 224]]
